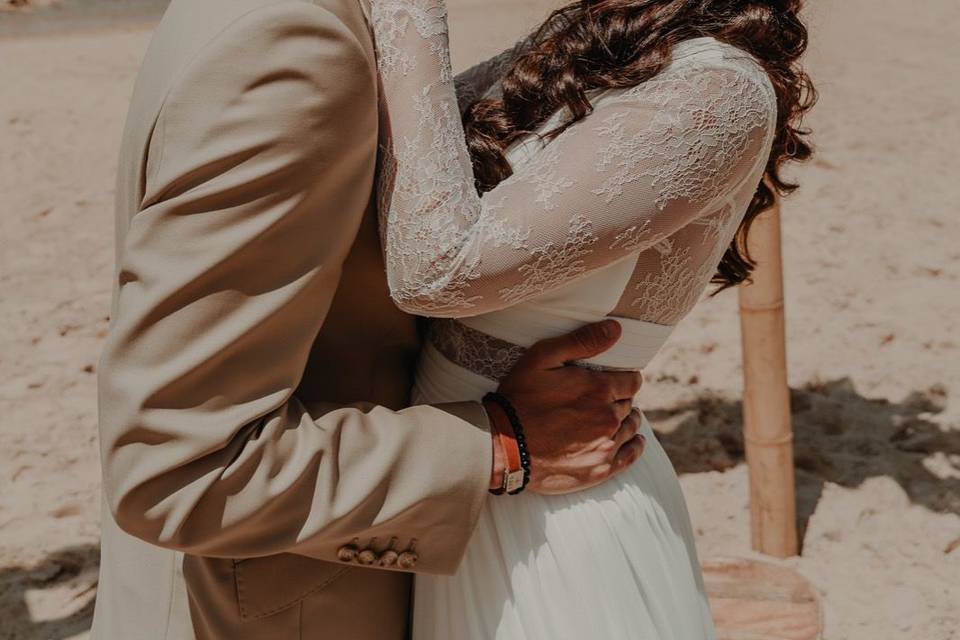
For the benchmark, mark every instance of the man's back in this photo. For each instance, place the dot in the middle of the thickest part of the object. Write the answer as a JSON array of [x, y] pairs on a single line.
[[229, 256], [260, 479]]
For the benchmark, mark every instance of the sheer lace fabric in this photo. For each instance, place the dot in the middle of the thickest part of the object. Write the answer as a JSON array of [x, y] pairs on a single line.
[[625, 213], [660, 174], [474, 350]]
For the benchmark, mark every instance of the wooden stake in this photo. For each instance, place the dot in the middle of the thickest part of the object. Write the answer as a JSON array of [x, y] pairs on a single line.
[[767, 432]]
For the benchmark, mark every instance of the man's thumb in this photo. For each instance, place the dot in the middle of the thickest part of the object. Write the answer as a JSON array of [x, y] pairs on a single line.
[[585, 342]]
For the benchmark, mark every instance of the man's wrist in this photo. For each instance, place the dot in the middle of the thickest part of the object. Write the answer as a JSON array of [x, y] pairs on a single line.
[[499, 464]]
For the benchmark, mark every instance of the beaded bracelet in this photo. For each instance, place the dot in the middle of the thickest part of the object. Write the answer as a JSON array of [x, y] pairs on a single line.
[[514, 419]]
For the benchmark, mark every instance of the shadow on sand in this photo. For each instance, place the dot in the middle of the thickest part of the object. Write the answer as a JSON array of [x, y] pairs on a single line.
[[840, 436], [74, 568]]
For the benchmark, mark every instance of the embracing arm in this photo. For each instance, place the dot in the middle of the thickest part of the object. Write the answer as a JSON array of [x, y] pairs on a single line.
[[639, 168], [260, 162]]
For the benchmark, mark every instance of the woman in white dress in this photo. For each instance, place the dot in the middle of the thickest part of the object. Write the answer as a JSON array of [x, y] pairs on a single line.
[[606, 166]]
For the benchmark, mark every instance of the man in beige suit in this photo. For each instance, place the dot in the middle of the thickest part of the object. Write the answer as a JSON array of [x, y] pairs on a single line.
[[261, 477]]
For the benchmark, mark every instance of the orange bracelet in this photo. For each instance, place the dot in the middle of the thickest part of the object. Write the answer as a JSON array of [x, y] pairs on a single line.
[[513, 474], [496, 475]]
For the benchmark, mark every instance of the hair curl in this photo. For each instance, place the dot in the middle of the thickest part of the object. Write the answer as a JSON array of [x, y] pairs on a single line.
[[608, 44]]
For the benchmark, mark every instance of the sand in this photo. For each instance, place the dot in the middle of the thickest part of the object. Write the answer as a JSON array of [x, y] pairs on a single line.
[[873, 261], [26, 5]]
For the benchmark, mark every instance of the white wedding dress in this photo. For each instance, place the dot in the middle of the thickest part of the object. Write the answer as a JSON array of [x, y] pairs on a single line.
[[625, 214]]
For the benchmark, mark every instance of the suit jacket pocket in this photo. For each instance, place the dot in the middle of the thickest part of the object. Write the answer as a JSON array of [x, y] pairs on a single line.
[[270, 584]]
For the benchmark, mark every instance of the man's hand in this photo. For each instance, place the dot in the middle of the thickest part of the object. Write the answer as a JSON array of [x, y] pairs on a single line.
[[580, 425]]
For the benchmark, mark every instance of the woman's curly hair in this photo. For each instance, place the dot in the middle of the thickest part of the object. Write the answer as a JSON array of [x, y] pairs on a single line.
[[608, 44]]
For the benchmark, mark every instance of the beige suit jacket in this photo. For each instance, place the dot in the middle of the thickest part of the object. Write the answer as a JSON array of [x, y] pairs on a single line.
[[250, 310]]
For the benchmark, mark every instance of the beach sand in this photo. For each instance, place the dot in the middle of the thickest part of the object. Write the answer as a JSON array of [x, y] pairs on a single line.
[[872, 256]]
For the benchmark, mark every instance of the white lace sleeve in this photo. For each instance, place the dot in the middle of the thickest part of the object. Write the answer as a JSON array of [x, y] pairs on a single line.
[[634, 172]]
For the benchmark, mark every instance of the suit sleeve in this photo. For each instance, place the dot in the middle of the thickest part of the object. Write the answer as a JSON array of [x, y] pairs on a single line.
[[263, 152]]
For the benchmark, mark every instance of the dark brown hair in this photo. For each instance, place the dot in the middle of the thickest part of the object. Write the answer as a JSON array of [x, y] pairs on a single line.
[[606, 44]]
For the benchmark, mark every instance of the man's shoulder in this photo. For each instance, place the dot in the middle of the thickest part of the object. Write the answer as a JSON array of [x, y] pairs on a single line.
[[236, 32], [200, 21], [205, 53], [190, 26]]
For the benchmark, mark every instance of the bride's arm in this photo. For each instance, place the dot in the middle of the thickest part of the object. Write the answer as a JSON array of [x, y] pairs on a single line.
[[635, 171]]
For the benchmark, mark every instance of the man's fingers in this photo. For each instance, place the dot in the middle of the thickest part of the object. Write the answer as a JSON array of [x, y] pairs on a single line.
[[587, 341], [611, 438], [629, 452], [624, 385], [628, 429], [623, 409]]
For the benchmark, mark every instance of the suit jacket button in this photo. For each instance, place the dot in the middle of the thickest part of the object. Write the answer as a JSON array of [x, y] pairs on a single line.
[[347, 553], [367, 556], [388, 558], [407, 560]]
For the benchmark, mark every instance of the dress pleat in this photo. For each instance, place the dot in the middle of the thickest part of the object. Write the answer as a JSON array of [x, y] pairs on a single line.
[[615, 562]]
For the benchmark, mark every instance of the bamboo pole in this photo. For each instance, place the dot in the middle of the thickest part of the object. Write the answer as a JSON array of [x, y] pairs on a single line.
[[767, 432]]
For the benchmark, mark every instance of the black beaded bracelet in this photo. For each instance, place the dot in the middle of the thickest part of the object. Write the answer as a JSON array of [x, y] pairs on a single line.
[[514, 419]]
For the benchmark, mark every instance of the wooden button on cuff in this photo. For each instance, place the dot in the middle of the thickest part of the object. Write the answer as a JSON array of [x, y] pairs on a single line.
[[388, 558], [347, 553], [407, 560]]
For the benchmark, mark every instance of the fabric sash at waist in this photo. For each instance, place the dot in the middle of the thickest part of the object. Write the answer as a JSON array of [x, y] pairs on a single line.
[[525, 325]]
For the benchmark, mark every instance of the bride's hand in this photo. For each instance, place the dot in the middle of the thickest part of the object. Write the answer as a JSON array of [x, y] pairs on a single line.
[[580, 425]]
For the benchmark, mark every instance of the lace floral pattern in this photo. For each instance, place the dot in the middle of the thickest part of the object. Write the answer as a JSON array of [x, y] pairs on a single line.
[[548, 181], [697, 140], [553, 264], [662, 171], [391, 20], [474, 350]]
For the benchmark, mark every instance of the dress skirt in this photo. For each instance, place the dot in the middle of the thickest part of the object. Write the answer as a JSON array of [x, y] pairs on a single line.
[[613, 562]]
